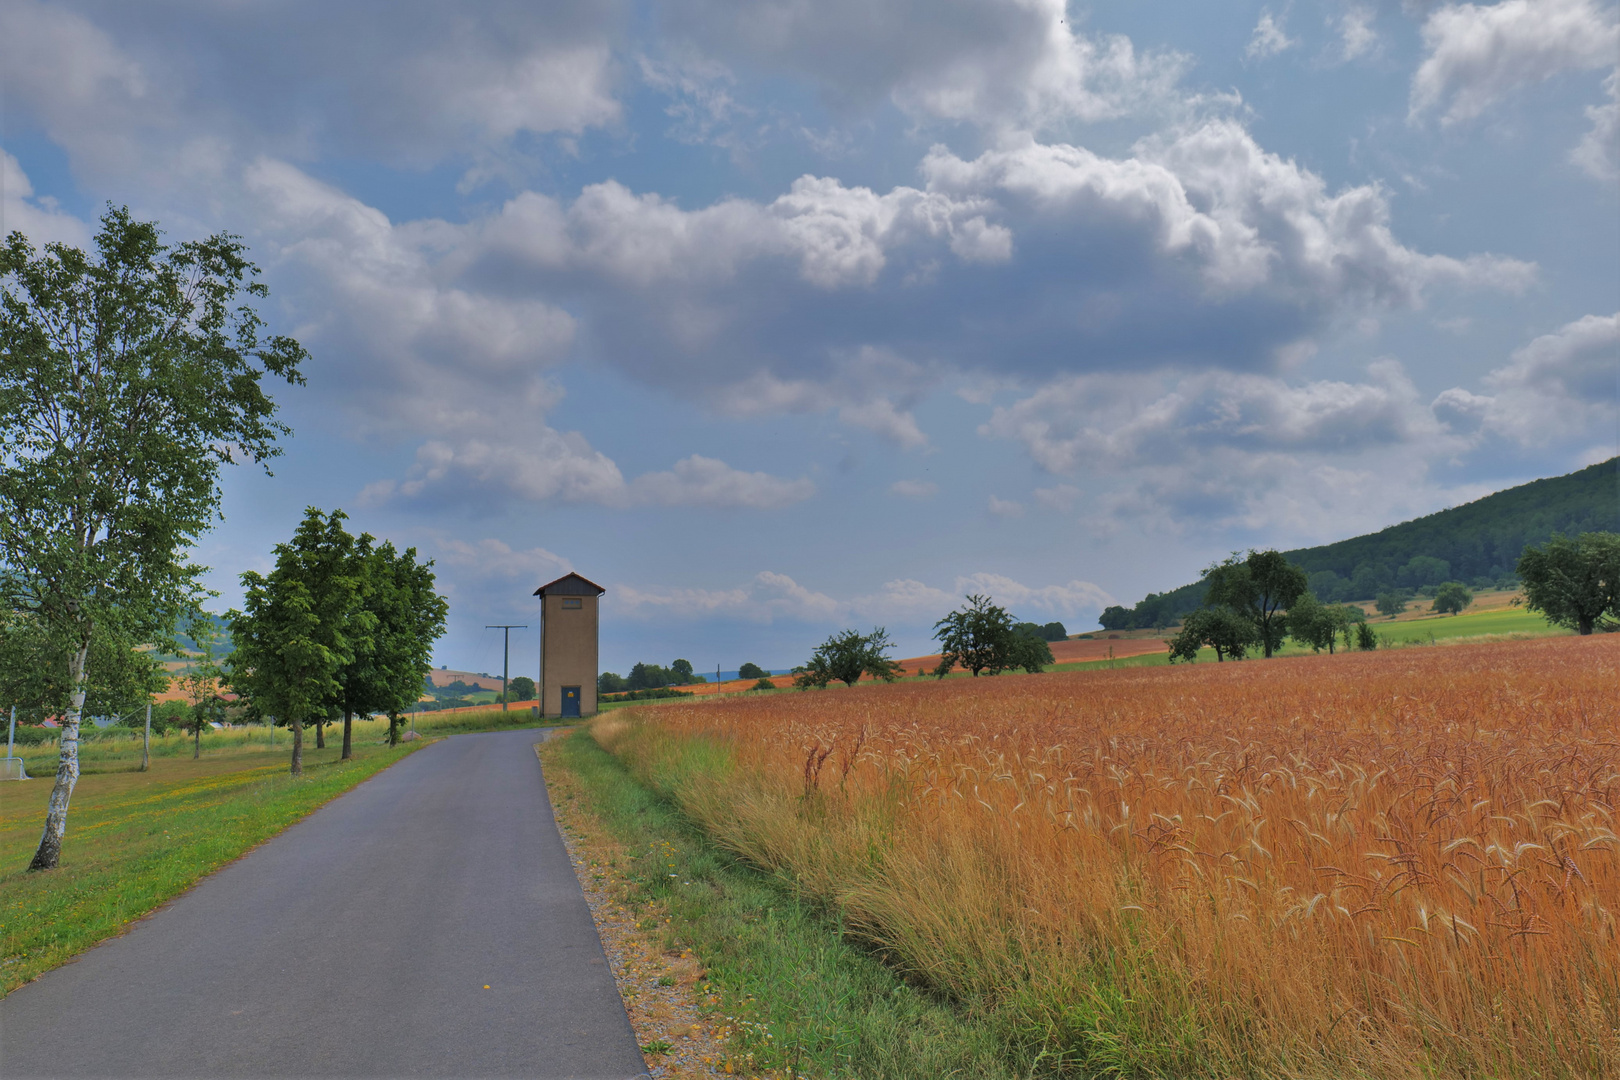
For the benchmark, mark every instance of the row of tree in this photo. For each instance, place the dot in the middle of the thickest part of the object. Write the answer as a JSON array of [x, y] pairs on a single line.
[[649, 677], [1254, 600], [979, 637], [342, 626]]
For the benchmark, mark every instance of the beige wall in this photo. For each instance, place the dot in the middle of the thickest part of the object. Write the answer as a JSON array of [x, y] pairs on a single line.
[[568, 653]]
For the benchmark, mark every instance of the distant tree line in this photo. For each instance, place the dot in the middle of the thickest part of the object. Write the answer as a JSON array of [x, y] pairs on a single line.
[[1477, 545], [649, 677]]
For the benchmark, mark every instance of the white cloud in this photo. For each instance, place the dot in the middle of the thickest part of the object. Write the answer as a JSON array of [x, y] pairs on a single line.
[[125, 87], [1060, 497], [701, 481], [1070, 598], [1268, 38], [1008, 508], [1244, 220], [36, 217], [1562, 387], [770, 596], [1220, 450], [1001, 64], [870, 388], [490, 557], [914, 489], [1356, 33], [1478, 55], [1598, 152]]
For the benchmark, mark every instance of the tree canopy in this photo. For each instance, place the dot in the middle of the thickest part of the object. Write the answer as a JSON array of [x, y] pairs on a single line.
[[292, 636], [1451, 598], [1222, 628], [1575, 583], [846, 656], [977, 636], [127, 378]]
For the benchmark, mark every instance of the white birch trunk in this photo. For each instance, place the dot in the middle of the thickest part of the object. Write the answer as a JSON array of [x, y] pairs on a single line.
[[67, 767]]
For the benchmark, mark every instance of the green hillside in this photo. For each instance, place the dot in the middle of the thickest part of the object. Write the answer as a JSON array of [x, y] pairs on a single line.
[[1478, 543]]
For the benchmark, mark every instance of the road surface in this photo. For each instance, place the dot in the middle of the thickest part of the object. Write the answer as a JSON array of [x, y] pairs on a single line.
[[426, 924]]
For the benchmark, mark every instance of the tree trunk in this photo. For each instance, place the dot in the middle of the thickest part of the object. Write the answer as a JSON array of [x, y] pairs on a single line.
[[67, 766], [298, 746], [1583, 624], [320, 734], [196, 742], [348, 720], [393, 730]]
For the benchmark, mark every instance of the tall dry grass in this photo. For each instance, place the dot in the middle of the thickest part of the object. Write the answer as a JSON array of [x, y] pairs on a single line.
[[1380, 864]]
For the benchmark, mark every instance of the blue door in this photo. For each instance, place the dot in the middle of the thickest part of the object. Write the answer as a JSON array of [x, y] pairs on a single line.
[[570, 701]]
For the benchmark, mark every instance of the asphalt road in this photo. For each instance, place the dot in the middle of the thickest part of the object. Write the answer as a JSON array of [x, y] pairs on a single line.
[[426, 924]]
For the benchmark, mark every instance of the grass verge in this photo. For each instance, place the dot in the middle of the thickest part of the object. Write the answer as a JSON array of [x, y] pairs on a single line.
[[803, 1001], [136, 840]]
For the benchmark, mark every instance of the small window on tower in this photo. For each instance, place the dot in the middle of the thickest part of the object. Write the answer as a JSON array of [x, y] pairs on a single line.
[[573, 602]]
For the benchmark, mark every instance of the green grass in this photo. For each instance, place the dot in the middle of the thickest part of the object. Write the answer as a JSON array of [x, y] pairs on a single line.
[[806, 1000], [1516, 621]]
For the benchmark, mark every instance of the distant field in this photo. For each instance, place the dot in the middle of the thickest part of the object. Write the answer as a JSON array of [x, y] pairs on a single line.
[[1389, 864], [1506, 620]]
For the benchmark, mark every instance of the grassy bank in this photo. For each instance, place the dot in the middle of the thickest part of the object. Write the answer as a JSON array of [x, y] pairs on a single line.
[[805, 1001], [135, 840]]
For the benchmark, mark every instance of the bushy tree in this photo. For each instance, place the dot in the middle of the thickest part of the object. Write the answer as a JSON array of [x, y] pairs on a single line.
[[849, 654], [523, 688], [814, 675], [1261, 586], [1574, 583], [682, 673], [609, 682], [1365, 638], [1029, 651], [127, 378], [1452, 597], [292, 635], [1313, 623], [764, 684], [751, 671], [1392, 602], [1227, 631], [977, 636], [407, 617]]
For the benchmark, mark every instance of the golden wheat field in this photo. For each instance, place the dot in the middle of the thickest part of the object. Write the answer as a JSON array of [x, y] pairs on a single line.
[[1392, 864]]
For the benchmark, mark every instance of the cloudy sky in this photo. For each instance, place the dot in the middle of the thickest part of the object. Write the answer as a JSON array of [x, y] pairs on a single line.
[[776, 317]]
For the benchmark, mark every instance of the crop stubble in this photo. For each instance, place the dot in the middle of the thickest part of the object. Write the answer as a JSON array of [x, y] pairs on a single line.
[[1392, 863]]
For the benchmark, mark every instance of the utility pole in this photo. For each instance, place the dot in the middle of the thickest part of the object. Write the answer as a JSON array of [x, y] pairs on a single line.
[[506, 652]]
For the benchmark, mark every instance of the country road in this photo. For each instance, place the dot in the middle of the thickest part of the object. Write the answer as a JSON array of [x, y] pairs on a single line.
[[426, 924]]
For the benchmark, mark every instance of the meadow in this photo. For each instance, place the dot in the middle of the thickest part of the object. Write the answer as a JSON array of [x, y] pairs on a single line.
[[1400, 863]]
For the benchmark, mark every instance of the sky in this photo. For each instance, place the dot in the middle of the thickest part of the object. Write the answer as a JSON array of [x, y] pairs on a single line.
[[776, 318]]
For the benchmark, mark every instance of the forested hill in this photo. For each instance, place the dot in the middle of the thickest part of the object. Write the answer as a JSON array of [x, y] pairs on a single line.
[[1477, 543]]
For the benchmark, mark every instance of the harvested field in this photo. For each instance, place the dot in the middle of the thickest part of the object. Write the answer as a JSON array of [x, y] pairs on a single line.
[[1391, 864]]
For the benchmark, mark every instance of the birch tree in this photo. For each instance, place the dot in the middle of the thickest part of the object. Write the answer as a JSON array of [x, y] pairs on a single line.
[[128, 376]]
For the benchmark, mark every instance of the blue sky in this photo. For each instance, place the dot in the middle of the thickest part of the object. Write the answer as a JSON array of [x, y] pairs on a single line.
[[775, 318]]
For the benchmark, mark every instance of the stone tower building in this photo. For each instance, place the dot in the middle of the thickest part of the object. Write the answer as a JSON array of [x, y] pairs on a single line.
[[568, 655]]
